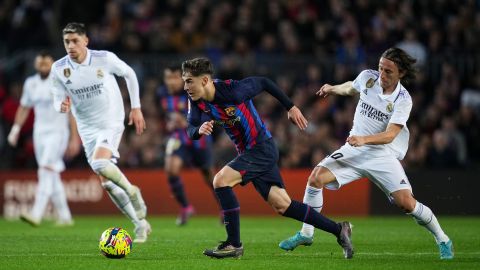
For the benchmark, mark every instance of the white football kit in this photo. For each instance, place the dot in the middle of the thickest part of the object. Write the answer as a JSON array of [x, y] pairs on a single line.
[[50, 130], [379, 163], [97, 103]]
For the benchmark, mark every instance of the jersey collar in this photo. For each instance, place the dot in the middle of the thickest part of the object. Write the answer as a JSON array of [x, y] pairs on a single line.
[[86, 61], [393, 96]]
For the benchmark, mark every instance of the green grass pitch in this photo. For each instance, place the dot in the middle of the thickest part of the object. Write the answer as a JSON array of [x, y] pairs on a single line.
[[380, 243]]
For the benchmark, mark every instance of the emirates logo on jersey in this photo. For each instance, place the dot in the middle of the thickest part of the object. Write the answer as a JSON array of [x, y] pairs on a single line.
[[230, 111], [66, 72]]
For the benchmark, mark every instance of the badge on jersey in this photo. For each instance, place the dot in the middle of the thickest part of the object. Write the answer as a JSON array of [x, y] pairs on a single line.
[[66, 72], [230, 111], [389, 107], [370, 83], [99, 73]]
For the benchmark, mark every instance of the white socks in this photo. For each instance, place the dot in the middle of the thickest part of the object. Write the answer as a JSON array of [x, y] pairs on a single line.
[[44, 191], [121, 199], [50, 187], [314, 198], [425, 217], [59, 199], [110, 171]]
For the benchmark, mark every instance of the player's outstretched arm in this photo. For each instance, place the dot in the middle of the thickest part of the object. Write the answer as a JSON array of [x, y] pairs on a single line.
[[296, 116], [136, 118], [344, 89]]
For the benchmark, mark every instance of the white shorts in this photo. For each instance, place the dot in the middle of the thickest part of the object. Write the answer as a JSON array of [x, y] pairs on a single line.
[[349, 164], [107, 138], [49, 149]]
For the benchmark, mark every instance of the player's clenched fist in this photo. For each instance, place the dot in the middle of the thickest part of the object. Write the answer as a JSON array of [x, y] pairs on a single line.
[[65, 106], [206, 128]]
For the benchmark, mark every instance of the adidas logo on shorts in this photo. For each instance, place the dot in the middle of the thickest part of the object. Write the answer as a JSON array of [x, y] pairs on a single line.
[[403, 182]]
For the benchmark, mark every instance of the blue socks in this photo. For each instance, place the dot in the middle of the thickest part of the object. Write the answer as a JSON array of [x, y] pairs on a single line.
[[306, 214], [231, 213], [176, 186]]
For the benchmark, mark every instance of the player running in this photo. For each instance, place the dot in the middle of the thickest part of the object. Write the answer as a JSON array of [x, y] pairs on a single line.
[[377, 141], [229, 104], [84, 82]]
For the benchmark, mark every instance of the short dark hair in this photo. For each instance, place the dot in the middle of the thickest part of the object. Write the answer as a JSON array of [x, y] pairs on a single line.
[[44, 53], [75, 28], [174, 68], [404, 62], [198, 66]]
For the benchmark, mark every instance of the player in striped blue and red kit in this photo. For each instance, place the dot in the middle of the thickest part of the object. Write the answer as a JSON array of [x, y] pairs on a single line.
[[229, 104], [180, 149]]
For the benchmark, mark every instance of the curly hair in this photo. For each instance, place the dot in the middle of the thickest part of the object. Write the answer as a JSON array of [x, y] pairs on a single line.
[[404, 62], [197, 66]]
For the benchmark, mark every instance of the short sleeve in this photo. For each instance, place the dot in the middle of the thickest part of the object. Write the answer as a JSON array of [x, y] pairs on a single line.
[[364, 78], [401, 112], [26, 99]]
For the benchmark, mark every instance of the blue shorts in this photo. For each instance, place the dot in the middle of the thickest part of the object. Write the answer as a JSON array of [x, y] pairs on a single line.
[[259, 166], [194, 156]]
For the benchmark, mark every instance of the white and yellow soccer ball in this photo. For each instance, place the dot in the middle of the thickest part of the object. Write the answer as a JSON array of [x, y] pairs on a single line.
[[115, 243]]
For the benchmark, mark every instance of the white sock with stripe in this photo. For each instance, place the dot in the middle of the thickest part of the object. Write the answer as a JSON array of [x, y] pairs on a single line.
[[313, 197], [425, 217], [121, 200]]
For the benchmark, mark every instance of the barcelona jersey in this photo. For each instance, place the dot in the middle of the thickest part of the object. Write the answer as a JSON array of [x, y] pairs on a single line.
[[178, 104], [233, 109]]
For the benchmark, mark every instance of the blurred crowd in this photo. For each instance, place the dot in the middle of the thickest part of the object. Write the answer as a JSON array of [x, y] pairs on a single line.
[[300, 44]]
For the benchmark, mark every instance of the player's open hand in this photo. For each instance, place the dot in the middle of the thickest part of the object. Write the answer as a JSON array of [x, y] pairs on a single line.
[[296, 116], [136, 117], [356, 141], [324, 90], [65, 106], [206, 128]]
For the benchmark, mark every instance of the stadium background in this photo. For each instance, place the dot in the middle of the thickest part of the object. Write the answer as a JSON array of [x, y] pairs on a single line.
[[301, 44]]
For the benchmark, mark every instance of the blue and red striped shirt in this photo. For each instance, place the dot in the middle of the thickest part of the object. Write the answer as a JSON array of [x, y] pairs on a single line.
[[233, 109], [178, 104]]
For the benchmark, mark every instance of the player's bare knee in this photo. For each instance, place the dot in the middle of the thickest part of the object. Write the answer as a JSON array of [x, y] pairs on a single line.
[[406, 203], [279, 206], [279, 200], [219, 181], [314, 180]]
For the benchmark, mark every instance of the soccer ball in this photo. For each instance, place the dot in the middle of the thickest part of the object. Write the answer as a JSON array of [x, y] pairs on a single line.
[[115, 243]]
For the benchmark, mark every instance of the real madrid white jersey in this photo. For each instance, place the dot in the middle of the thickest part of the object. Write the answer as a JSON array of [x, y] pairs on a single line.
[[97, 102], [37, 94], [375, 111]]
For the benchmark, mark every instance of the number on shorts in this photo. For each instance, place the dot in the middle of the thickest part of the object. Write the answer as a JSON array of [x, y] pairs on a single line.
[[336, 155]]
